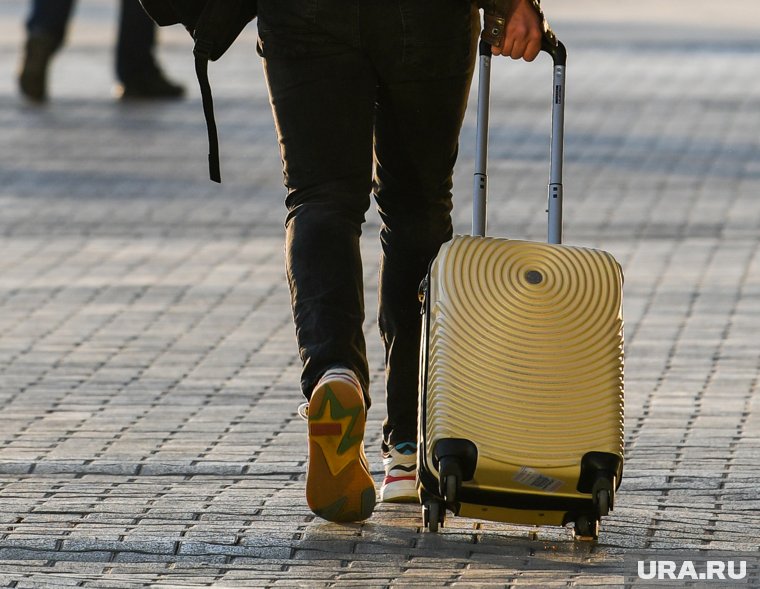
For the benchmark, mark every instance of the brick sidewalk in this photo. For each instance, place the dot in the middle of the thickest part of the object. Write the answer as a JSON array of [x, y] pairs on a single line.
[[148, 369]]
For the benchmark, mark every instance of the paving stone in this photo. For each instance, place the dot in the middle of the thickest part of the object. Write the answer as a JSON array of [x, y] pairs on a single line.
[[148, 368]]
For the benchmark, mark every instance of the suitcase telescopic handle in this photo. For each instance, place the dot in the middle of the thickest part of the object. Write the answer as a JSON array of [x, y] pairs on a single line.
[[480, 185]]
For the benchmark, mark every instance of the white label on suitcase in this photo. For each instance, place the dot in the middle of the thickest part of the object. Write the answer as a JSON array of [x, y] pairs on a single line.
[[532, 478]]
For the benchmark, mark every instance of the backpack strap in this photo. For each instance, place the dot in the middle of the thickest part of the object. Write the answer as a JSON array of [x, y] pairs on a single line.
[[215, 29], [214, 24], [202, 53]]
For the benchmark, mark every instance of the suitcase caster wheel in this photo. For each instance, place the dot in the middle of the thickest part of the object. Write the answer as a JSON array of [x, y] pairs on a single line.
[[603, 494], [586, 528], [433, 514], [450, 488], [450, 473], [603, 502]]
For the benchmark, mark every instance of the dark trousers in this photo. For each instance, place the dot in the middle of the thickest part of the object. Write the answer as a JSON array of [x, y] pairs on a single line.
[[368, 97], [137, 33]]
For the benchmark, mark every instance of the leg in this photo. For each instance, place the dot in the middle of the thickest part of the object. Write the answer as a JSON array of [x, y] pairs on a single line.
[[136, 40], [50, 18], [421, 105], [136, 65], [46, 30], [323, 103], [322, 92]]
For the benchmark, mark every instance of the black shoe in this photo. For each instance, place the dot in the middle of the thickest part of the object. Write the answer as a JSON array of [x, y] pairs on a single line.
[[153, 85], [32, 80]]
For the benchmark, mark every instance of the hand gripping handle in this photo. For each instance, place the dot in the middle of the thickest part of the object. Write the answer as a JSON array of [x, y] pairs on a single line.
[[495, 23], [556, 49]]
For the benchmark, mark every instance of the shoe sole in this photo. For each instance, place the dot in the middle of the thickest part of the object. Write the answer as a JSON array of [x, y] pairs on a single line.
[[339, 487], [398, 494]]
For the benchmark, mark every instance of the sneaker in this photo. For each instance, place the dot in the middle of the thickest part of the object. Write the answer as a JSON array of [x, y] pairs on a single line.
[[339, 487], [32, 78], [400, 483]]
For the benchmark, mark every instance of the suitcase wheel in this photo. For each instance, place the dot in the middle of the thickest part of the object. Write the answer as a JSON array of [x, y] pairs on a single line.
[[603, 493], [603, 501], [455, 459], [451, 475], [586, 528], [433, 514], [450, 485]]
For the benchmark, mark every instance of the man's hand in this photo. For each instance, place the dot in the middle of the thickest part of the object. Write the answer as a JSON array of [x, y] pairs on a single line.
[[524, 33]]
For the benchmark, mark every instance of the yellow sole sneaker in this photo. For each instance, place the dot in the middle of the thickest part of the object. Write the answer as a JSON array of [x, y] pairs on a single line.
[[339, 487]]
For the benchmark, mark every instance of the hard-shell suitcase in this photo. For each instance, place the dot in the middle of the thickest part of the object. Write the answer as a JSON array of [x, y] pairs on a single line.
[[521, 368]]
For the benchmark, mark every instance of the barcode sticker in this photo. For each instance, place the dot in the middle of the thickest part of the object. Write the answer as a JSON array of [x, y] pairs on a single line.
[[532, 478]]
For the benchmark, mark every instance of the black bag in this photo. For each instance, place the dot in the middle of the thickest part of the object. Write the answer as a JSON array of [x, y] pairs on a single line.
[[214, 25]]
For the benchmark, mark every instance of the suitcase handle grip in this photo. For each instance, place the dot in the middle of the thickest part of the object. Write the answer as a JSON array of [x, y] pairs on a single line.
[[558, 53], [549, 44]]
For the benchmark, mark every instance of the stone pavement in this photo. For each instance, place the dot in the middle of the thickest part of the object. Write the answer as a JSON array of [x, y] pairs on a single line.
[[148, 371]]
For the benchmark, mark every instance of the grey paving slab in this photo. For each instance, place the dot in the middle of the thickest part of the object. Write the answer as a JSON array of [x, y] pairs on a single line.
[[148, 369]]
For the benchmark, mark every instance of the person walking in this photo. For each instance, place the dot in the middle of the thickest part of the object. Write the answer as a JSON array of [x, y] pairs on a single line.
[[136, 67], [368, 96]]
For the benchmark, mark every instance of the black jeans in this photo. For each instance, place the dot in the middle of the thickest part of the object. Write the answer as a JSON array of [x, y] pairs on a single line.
[[137, 33], [368, 97]]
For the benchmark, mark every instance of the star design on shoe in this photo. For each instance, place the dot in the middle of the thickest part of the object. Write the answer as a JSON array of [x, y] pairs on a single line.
[[335, 420]]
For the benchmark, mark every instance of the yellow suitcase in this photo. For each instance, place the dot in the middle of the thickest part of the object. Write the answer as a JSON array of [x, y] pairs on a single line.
[[521, 368]]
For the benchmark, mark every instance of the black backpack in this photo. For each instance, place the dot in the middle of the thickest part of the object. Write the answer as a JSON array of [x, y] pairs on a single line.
[[214, 25]]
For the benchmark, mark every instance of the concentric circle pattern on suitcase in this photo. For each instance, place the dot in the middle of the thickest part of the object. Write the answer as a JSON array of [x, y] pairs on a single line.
[[526, 350]]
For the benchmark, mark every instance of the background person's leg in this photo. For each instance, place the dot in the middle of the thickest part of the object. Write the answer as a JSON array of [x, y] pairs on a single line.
[[136, 65], [46, 30], [49, 17], [135, 43]]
